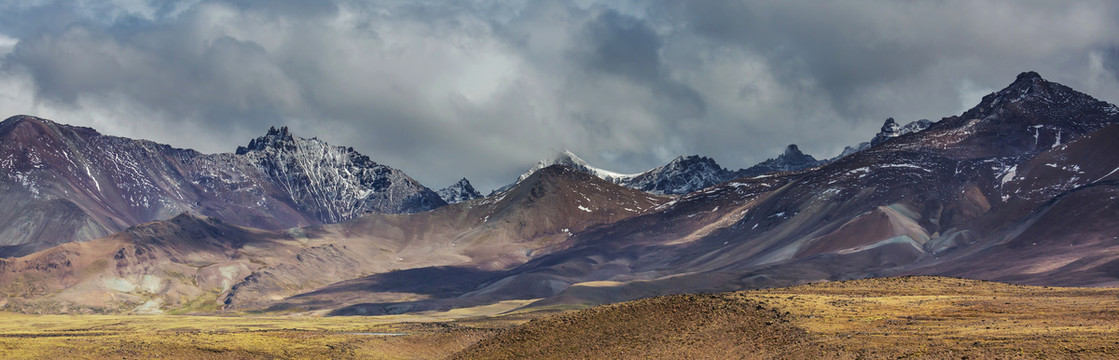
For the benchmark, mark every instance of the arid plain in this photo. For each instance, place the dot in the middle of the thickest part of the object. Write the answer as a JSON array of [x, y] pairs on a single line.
[[907, 317]]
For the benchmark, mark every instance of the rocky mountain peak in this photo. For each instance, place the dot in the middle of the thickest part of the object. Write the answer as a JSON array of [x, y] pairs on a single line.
[[793, 152], [1031, 94], [335, 183], [890, 129], [791, 159], [694, 162], [682, 175], [274, 138], [282, 131], [1028, 77], [459, 192], [794, 156]]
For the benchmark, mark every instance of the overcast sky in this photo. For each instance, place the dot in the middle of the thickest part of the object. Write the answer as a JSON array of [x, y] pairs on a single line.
[[485, 88]]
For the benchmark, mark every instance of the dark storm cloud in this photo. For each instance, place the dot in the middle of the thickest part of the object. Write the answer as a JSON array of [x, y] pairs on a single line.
[[626, 46], [484, 88]]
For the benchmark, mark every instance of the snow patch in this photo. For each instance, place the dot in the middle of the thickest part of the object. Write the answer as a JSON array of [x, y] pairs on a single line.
[[1010, 174]]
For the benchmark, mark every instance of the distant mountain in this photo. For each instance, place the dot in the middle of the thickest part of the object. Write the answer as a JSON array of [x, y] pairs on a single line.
[[459, 192], [62, 183], [334, 183], [792, 159], [889, 130], [683, 174]]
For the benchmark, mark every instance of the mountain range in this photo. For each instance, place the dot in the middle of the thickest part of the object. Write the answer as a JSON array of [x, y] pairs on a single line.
[[62, 183], [682, 175], [1021, 188]]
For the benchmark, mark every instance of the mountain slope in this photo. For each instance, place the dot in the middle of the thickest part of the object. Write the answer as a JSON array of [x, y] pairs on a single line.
[[169, 264], [65, 183]]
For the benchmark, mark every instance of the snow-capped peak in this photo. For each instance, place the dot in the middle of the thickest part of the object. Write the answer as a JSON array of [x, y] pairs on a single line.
[[569, 159], [335, 183]]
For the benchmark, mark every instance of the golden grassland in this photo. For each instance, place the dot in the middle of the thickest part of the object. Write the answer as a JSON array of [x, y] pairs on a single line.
[[891, 318], [936, 317], [913, 317], [430, 336]]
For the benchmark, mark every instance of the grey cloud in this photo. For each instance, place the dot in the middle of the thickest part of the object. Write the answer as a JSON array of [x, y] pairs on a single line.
[[621, 45], [1111, 61], [484, 88]]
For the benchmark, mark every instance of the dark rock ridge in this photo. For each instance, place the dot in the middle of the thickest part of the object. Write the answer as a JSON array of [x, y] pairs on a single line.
[[63, 183]]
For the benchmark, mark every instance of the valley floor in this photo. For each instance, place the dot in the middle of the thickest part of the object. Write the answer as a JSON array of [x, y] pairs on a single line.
[[912, 317]]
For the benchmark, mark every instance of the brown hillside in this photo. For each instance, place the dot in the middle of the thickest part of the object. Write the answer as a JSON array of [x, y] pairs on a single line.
[[885, 318], [718, 326]]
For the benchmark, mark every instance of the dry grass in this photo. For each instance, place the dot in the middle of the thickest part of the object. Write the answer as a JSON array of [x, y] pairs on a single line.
[[918, 317], [668, 327], [913, 317], [934, 317], [239, 337]]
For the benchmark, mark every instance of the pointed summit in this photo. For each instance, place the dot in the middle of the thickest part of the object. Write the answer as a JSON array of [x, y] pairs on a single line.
[[1031, 94], [890, 127], [891, 130], [281, 137], [569, 159], [789, 160], [792, 151], [1030, 76], [459, 192], [1029, 115]]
